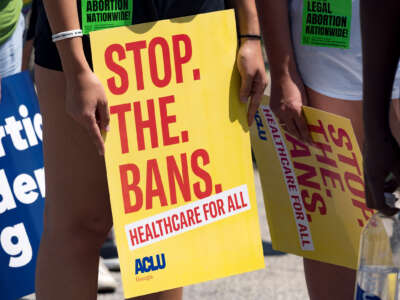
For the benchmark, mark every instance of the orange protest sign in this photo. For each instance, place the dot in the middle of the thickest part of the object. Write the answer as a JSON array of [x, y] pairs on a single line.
[[314, 194], [178, 154]]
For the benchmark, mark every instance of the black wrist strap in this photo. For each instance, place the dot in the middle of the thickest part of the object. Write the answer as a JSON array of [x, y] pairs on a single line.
[[250, 36]]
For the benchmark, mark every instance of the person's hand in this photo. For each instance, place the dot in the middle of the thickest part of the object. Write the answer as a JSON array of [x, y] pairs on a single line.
[[381, 157], [253, 77], [86, 103], [287, 99]]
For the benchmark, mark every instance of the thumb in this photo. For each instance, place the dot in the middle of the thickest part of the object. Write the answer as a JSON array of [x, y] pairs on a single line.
[[103, 115]]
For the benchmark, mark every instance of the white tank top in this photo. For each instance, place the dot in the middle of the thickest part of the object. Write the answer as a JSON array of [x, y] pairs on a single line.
[[332, 72]]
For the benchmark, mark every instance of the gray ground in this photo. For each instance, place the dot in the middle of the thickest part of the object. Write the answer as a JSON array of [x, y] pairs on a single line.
[[281, 279]]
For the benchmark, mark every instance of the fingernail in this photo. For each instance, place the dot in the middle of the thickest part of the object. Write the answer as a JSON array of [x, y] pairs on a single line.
[[108, 128], [243, 99]]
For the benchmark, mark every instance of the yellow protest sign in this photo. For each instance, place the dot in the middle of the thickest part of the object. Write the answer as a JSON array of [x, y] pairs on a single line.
[[178, 153], [314, 194]]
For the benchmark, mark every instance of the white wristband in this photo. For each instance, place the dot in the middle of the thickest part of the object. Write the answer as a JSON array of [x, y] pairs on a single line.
[[66, 35]]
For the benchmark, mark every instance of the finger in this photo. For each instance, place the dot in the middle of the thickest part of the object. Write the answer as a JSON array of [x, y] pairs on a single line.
[[284, 127], [255, 100], [103, 115], [292, 129], [95, 134], [302, 128], [245, 88]]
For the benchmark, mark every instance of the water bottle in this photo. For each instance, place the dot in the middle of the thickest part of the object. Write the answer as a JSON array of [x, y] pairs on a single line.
[[379, 259]]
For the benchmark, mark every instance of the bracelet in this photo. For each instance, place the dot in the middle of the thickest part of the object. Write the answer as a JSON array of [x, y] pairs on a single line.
[[66, 35], [250, 36]]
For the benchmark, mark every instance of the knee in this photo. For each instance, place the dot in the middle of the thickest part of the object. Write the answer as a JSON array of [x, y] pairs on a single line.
[[83, 229], [94, 228]]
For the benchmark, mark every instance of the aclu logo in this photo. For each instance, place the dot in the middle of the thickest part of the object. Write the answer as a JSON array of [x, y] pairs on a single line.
[[150, 263], [260, 127]]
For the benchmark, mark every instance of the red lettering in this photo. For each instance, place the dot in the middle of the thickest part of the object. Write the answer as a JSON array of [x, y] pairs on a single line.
[[160, 226], [154, 230], [183, 220], [333, 176], [350, 177], [352, 162], [197, 214], [341, 135], [190, 216], [149, 234], [201, 173], [116, 68], [304, 178], [120, 110], [174, 219], [167, 225], [141, 124], [133, 236], [133, 186], [220, 205], [364, 210], [324, 158], [299, 149], [319, 129], [153, 62], [153, 171], [316, 199], [140, 231], [181, 178], [136, 48], [166, 120], [303, 228], [178, 58]]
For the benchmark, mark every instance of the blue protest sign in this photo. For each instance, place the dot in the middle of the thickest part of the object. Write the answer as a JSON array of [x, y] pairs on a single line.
[[22, 186]]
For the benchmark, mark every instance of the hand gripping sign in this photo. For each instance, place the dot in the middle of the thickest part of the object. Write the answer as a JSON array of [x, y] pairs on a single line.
[[22, 189], [314, 194], [178, 154]]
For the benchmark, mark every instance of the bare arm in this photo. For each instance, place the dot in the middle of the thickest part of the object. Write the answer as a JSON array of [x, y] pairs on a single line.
[[287, 90], [381, 50], [250, 61], [85, 97]]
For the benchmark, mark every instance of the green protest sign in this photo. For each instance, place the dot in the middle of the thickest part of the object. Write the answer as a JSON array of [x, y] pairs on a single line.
[[101, 14], [327, 23]]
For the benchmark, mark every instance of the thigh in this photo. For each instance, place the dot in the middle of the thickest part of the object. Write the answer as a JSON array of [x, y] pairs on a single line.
[[76, 184], [319, 276], [351, 109]]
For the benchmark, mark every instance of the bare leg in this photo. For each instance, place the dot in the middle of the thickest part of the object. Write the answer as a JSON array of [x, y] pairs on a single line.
[[327, 281], [175, 294], [77, 212]]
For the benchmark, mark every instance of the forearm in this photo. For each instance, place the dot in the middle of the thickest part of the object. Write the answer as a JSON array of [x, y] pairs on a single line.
[[63, 16], [380, 56], [274, 17], [246, 16]]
